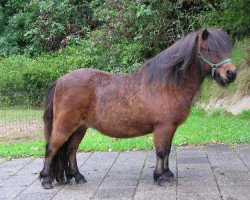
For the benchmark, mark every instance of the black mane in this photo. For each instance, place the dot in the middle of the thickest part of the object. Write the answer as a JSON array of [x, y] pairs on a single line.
[[171, 65]]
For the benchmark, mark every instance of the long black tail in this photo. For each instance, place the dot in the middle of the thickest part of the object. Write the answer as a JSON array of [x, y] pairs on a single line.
[[48, 112], [60, 163]]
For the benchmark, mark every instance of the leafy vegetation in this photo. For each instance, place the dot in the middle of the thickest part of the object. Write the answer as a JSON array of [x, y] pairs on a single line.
[[200, 128], [232, 15], [32, 27], [35, 26]]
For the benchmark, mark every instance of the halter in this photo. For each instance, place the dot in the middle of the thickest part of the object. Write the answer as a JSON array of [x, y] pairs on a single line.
[[214, 66]]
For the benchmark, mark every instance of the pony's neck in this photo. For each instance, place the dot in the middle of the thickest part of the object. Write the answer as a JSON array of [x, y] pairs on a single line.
[[190, 84]]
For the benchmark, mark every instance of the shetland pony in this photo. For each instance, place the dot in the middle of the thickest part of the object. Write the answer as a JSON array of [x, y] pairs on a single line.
[[154, 98]]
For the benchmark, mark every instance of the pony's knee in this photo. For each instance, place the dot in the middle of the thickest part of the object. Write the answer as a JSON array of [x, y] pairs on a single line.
[[48, 150]]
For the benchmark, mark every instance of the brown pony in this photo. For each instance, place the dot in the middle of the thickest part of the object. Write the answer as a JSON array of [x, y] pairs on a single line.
[[154, 98]]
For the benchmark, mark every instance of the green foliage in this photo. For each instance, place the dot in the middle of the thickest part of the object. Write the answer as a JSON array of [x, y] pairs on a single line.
[[32, 27], [154, 24], [232, 15], [35, 26], [24, 81]]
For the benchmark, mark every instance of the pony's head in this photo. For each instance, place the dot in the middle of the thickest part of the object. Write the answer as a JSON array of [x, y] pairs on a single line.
[[214, 51]]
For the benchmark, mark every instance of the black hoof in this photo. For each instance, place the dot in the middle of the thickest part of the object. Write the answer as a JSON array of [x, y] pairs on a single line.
[[46, 182], [80, 179], [156, 176], [163, 179], [67, 181], [168, 174], [47, 185]]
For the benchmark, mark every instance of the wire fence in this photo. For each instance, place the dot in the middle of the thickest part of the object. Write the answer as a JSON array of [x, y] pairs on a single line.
[[20, 124]]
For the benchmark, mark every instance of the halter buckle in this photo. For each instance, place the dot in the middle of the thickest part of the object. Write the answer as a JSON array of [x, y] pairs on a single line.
[[213, 71]]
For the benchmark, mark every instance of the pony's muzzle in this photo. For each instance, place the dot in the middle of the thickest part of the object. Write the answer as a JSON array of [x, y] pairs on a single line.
[[226, 73]]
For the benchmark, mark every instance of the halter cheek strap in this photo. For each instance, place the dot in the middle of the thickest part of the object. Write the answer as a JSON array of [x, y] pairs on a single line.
[[214, 66]]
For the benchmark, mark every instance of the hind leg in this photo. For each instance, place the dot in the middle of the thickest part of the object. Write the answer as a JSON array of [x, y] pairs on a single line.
[[74, 142], [63, 127]]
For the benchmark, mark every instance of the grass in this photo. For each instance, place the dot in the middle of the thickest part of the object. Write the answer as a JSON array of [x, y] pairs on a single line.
[[12, 115], [200, 128]]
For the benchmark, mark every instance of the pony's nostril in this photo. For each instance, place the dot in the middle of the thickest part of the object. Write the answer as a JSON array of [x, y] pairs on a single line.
[[229, 73]]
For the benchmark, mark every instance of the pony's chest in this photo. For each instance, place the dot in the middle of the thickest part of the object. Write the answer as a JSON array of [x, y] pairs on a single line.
[[168, 108]]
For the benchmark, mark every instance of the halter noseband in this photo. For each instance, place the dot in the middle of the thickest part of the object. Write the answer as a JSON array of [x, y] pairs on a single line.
[[214, 66]]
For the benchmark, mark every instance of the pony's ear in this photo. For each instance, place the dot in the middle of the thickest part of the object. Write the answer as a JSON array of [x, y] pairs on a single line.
[[204, 34]]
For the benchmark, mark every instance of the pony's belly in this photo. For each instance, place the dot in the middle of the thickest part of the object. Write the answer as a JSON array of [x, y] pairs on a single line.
[[124, 134], [123, 131]]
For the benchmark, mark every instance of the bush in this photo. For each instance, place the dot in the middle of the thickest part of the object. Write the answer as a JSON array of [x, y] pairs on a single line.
[[232, 15], [24, 81], [32, 27], [154, 24], [35, 26]]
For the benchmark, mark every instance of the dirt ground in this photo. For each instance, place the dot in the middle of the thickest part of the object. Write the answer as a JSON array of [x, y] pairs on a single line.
[[234, 107]]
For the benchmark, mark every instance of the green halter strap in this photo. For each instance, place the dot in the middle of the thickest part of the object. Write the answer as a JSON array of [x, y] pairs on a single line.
[[214, 66]]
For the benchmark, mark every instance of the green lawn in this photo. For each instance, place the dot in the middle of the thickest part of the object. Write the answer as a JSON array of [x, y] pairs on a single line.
[[200, 128], [12, 115]]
